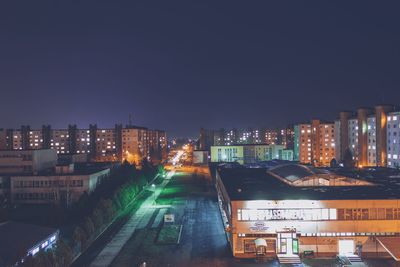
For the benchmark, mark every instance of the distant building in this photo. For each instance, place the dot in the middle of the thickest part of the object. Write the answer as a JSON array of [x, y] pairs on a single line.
[[200, 157], [248, 136], [100, 144], [245, 154], [19, 241], [393, 140], [315, 143]]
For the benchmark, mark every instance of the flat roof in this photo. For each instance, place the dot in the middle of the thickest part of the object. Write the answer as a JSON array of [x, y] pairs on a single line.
[[78, 170], [258, 184], [253, 144], [17, 238]]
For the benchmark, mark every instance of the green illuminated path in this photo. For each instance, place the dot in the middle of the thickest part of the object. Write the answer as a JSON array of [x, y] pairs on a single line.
[[138, 220]]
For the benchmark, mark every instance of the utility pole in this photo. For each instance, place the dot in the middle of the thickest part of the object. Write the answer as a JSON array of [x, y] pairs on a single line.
[[130, 120]]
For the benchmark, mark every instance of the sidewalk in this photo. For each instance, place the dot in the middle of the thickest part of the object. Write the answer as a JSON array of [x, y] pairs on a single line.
[[143, 214]]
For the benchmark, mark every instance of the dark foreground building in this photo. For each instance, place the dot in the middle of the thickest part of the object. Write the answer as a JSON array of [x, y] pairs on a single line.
[[18, 241]]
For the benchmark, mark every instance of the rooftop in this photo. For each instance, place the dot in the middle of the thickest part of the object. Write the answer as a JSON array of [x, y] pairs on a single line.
[[18, 238], [264, 184]]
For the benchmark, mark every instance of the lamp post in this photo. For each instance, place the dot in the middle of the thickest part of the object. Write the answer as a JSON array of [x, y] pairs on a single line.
[[153, 186]]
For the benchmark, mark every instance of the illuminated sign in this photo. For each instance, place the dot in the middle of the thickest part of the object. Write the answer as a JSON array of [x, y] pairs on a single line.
[[286, 214]]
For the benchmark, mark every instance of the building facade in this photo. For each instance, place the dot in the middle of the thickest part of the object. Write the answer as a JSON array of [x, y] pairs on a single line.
[[248, 154], [58, 188], [26, 161], [364, 134], [393, 140], [315, 143], [282, 212], [248, 136], [100, 144]]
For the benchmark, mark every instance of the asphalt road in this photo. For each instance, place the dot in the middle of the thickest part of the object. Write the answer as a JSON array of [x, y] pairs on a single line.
[[192, 200]]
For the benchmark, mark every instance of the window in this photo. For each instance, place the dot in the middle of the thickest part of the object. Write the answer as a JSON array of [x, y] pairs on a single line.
[[249, 246], [381, 214]]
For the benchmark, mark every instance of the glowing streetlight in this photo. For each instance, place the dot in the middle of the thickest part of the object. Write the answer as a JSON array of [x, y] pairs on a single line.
[[153, 186]]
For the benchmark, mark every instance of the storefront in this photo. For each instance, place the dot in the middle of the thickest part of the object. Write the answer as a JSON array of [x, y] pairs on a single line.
[[268, 217]]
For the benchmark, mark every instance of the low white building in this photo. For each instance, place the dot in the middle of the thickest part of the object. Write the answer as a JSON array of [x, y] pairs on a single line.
[[27, 161], [63, 187]]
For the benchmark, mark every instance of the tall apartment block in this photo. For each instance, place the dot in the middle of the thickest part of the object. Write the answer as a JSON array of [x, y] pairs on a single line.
[[393, 139], [132, 143], [366, 133], [315, 143]]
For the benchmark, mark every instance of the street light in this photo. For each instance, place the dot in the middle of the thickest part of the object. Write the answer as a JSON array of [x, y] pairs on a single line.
[[153, 186]]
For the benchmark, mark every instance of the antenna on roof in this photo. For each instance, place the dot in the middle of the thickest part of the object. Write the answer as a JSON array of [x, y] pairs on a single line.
[[130, 120]]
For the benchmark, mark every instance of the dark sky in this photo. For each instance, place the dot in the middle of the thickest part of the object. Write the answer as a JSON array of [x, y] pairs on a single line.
[[179, 65]]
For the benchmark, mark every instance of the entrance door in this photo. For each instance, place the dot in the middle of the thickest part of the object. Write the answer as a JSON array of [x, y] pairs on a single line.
[[346, 247], [295, 246], [287, 243]]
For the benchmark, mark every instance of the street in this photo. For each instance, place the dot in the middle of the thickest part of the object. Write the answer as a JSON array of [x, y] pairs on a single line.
[[191, 198]]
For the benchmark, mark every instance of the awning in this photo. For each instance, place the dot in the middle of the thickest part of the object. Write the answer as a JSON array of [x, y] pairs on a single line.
[[260, 242], [392, 246]]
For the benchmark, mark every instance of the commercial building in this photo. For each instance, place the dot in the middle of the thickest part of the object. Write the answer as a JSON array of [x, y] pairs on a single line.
[[100, 144], [248, 154], [290, 210], [315, 142], [19, 241]]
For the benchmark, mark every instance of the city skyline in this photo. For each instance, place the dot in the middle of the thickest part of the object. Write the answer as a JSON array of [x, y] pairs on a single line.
[[181, 66]]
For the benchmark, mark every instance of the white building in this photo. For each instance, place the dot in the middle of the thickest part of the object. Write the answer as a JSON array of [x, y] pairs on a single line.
[[26, 161], [371, 130], [393, 140], [353, 138], [63, 187]]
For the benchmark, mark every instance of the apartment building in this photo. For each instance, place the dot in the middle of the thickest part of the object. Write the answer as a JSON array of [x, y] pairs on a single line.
[[365, 134], [393, 139], [303, 143], [248, 136], [315, 142], [100, 144]]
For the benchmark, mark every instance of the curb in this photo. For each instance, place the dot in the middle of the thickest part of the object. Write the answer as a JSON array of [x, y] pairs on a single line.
[[179, 236], [113, 221]]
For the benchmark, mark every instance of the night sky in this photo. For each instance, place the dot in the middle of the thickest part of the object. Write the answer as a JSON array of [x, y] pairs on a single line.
[[179, 65]]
